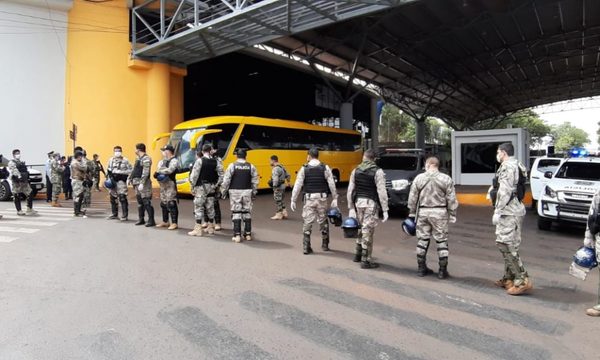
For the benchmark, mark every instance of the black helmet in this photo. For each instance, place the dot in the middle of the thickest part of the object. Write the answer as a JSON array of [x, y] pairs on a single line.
[[351, 228], [335, 216]]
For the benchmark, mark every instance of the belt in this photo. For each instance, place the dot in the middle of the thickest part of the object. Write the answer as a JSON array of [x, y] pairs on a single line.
[[315, 195], [433, 207]]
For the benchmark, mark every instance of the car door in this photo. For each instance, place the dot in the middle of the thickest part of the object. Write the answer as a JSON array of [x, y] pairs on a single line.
[[539, 168]]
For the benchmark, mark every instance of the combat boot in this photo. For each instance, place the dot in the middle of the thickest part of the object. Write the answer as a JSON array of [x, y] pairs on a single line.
[[218, 227], [277, 216], [204, 225], [358, 253], [504, 283], [443, 272], [125, 209], [248, 230], [365, 263], [165, 216], [593, 311], [197, 231], [325, 244], [141, 213], [30, 211], [174, 211], [237, 231], [520, 289], [55, 204], [17, 200], [210, 229], [422, 269], [150, 210], [114, 207], [284, 213], [306, 245]]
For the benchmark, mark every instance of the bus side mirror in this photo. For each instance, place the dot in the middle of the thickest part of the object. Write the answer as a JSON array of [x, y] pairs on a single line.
[[548, 174]]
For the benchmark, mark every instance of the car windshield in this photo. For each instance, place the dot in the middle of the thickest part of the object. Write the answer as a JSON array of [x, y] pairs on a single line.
[[180, 140], [579, 171], [548, 165], [394, 162]]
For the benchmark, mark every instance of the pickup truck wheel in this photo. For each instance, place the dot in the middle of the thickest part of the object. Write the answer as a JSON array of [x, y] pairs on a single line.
[[544, 224], [4, 191]]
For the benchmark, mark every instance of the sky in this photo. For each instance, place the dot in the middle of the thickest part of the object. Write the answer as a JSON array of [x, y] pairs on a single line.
[[583, 113]]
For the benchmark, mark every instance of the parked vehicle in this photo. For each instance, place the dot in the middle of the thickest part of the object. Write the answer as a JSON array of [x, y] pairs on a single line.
[[35, 181], [537, 180]]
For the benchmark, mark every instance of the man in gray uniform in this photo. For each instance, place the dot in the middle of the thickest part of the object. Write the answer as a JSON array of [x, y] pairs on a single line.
[[316, 181], [168, 167], [279, 178], [57, 170], [432, 200], [78, 176], [206, 176], [241, 184], [593, 242], [508, 218], [119, 169], [20, 183], [140, 179], [366, 196]]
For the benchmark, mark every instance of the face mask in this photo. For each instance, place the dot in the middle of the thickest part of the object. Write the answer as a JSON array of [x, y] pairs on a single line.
[[117, 153], [499, 158], [17, 156]]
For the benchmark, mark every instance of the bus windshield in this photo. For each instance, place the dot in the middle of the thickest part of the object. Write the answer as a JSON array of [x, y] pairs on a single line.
[[180, 140]]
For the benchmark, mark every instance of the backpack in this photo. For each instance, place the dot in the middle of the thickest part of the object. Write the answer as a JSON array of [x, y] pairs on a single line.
[[521, 188]]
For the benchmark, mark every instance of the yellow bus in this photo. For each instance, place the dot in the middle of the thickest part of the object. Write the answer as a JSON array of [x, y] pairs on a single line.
[[262, 137]]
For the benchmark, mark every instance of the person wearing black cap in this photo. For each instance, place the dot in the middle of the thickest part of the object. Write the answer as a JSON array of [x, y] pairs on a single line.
[[140, 179], [78, 171], [167, 167], [20, 183], [241, 184]]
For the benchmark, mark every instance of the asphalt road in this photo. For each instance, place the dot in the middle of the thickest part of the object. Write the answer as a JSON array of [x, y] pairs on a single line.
[[73, 288]]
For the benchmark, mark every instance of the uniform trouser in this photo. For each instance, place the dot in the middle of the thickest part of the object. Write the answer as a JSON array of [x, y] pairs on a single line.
[[96, 182], [217, 208], [433, 224], [49, 191], [508, 240], [87, 197], [315, 210], [168, 201], [367, 213], [204, 203], [241, 210], [56, 189], [78, 194], [278, 196], [120, 192], [22, 188], [144, 199]]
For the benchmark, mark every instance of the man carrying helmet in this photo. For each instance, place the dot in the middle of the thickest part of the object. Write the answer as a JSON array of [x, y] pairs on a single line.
[[119, 169], [165, 174], [366, 196], [20, 183], [592, 241], [316, 181], [432, 201], [140, 179]]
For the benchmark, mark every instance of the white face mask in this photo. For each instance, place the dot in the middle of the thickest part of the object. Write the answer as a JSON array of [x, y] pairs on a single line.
[[18, 156], [499, 158], [118, 153]]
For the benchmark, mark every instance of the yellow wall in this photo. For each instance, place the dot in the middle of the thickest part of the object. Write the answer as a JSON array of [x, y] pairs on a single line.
[[111, 99]]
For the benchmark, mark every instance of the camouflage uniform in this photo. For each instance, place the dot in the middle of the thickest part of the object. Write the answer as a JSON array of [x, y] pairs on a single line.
[[78, 176], [168, 189], [367, 195], [432, 200], [89, 178], [141, 176], [241, 193], [56, 177], [119, 169], [217, 205], [20, 184], [205, 178], [593, 242], [279, 176], [315, 200], [508, 228]]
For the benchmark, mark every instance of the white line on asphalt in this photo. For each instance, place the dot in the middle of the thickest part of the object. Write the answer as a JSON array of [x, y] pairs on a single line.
[[30, 223], [40, 214], [7, 239], [18, 230], [26, 218]]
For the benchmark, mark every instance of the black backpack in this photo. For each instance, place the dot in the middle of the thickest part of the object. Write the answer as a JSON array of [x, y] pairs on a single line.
[[521, 188]]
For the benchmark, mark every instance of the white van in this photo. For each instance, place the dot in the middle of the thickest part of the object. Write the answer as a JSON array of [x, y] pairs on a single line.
[[537, 180]]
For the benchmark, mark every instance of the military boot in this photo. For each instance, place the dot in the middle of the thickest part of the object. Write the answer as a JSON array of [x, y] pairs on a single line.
[[593, 311], [30, 210], [150, 210], [174, 211], [237, 231], [125, 209], [325, 244], [114, 208], [197, 230], [218, 227], [165, 216], [524, 286], [365, 263], [17, 201], [422, 269], [443, 271], [277, 216], [210, 229], [306, 245], [284, 213], [248, 230], [141, 213], [504, 283], [358, 253]]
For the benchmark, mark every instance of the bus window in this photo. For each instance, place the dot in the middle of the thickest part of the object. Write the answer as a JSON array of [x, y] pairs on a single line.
[[180, 139], [221, 140], [327, 141], [263, 137]]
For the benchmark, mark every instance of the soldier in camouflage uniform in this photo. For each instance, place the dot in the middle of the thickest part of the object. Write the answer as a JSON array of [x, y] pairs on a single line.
[[206, 176], [366, 196], [316, 181], [217, 205], [508, 218], [20, 183], [97, 169], [168, 167], [432, 200], [57, 170], [119, 169], [241, 184], [88, 181], [140, 179], [78, 176], [593, 242], [278, 182]]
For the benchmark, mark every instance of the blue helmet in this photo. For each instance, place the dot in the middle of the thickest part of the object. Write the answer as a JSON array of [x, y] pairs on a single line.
[[335, 216], [351, 227], [409, 226], [161, 177], [585, 257], [109, 184]]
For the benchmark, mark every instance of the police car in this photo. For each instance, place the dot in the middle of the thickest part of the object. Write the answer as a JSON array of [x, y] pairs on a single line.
[[568, 194], [35, 181]]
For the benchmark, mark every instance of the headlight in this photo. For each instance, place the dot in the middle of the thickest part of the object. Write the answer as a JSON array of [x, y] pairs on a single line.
[[400, 184], [549, 192]]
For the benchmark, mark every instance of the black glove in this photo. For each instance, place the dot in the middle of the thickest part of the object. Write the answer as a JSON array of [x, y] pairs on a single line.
[[155, 175]]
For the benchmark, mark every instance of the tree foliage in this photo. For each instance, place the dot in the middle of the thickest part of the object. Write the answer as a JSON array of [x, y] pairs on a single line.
[[525, 119], [567, 136], [397, 126]]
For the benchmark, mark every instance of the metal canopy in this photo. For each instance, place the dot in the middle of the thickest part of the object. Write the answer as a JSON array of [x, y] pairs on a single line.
[[188, 31], [465, 60]]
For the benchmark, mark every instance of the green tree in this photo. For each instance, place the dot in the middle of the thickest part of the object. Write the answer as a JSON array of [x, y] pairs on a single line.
[[398, 126], [525, 119], [566, 136]]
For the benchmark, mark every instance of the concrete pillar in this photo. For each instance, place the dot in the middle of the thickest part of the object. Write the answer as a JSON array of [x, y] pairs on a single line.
[[420, 134], [374, 123], [346, 116], [158, 107]]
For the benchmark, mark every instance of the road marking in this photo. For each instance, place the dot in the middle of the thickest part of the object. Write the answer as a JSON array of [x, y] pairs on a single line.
[[7, 239], [18, 230], [40, 214], [31, 223], [24, 218]]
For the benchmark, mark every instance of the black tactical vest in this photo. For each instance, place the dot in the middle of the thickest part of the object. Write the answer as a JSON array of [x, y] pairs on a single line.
[[314, 180], [172, 175], [137, 169], [22, 168], [364, 180], [208, 172], [242, 176]]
